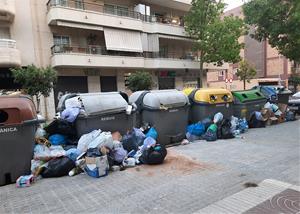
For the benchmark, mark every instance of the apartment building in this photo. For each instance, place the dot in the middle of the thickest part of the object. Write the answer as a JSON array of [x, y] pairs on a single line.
[[272, 68], [94, 45]]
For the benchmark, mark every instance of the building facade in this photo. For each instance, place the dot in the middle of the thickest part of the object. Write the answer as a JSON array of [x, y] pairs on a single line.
[[272, 68], [94, 45]]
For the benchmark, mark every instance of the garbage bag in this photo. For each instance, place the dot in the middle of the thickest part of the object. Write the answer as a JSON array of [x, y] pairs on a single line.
[[207, 122], [74, 102], [57, 139], [129, 142], [192, 138], [234, 123], [60, 126], [104, 139], [135, 138], [242, 125], [196, 129], [211, 133], [152, 133], [119, 154], [148, 142], [73, 154], [218, 118], [224, 130], [290, 116], [154, 155], [42, 152], [40, 133], [70, 114], [58, 167], [255, 123], [86, 139], [93, 152]]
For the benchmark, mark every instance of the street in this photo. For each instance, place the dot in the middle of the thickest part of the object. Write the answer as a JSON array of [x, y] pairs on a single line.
[[192, 177]]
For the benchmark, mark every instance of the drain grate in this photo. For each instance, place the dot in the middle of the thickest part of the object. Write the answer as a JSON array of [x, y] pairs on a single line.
[[287, 202]]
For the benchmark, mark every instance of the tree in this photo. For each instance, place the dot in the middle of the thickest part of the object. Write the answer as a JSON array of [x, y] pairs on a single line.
[[215, 38], [278, 22], [294, 80], [141, 80], [245, 72], [35, 81]]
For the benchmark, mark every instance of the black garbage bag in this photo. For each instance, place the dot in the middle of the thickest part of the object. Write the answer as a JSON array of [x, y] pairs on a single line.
[[255, 123], [61, 126], [58, 167], [224, 130], [154, 155]]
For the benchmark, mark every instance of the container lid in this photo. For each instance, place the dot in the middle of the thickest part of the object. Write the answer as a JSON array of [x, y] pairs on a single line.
[[101, 103], [159, 99], [16, 110], [188, 91], [212, 96], [248, 95]]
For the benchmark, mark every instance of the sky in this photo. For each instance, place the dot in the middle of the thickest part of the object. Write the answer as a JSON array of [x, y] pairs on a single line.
[[233, 4]]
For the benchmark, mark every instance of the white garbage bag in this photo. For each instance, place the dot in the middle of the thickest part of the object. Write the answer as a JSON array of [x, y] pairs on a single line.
[[86, 139], [104, 139]]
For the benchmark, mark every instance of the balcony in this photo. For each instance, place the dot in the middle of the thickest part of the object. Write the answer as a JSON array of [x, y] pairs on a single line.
[[9, 54], [7, 10], [95, 16], [98, 56]]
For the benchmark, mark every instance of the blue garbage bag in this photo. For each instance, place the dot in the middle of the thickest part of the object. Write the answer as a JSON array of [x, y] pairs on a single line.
[[196, 129], [243, 125], [58, 139], [152, 133], [73, 154]]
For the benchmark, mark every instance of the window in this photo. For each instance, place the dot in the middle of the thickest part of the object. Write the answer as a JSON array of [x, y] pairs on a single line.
[[116, 10], [61, 40], [79, 4], [221, 73], [61, 2]]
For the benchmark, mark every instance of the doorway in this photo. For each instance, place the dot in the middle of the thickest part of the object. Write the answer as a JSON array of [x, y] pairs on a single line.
[[108, 83], [166, 83]]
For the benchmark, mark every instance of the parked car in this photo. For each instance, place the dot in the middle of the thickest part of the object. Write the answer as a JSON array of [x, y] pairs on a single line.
[[294, 103]]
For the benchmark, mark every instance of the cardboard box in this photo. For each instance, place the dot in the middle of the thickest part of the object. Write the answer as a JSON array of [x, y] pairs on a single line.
[[282, 107], [272, 121]]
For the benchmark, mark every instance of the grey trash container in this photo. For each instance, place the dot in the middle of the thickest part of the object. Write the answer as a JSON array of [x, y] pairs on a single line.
[[18, 124], [166, 110], [105, 111]]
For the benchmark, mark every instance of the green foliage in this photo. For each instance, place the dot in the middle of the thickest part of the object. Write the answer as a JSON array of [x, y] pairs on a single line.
[[277, 21], [216, 38], [35, 81], [245, 72], [140, 80], [294, 80]]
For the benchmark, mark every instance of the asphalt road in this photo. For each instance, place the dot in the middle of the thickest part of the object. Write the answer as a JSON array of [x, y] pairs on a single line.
[[192, 177]]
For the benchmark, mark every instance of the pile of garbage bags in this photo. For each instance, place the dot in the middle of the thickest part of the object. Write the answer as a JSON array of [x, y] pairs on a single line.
[[58, 153], [211, 129]]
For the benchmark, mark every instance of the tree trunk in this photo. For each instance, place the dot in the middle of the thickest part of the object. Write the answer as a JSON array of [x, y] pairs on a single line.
[[200, 83], [38, 102], [244, 81]]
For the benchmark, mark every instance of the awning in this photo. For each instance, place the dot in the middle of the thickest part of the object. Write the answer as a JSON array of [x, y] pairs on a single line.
[[175, 38], [123, 40], [77, 25], [150, 42]]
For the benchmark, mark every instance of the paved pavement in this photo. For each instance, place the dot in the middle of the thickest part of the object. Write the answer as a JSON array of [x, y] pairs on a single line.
[[193, 177]]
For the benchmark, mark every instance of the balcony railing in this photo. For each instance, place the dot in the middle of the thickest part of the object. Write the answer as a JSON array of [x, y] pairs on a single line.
[[106, 9], [101, 50], [8, 43]]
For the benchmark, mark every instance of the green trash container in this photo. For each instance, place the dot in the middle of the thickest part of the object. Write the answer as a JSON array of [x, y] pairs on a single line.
[[18, 124], [206, 102], [166, 110], [246, 102]]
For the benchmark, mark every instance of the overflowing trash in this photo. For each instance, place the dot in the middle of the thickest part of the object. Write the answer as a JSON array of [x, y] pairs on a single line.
[[61, 149], [95, 154]]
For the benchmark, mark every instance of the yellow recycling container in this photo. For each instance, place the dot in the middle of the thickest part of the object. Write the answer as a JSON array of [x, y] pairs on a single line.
[[206, 102]]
